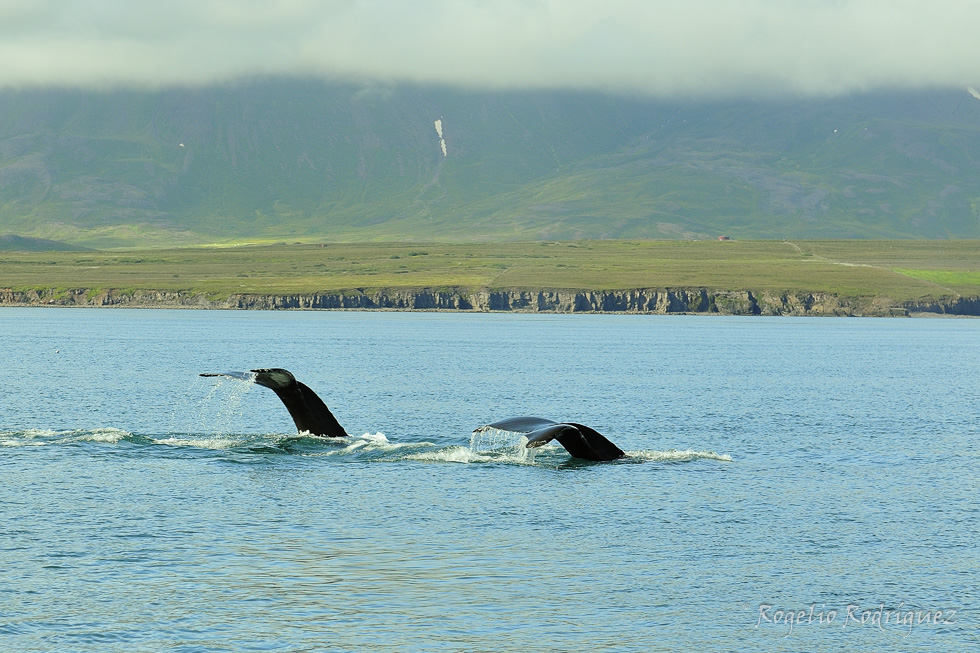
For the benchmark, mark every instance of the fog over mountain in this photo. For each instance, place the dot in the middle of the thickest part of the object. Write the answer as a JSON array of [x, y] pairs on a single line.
[[693, 48]]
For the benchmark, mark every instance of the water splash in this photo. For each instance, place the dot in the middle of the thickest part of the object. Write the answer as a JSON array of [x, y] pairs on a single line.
[[218, 412], [490, 444], [491, 439]]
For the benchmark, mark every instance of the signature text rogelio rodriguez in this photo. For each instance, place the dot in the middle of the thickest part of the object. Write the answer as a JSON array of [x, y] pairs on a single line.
[[900, 618]]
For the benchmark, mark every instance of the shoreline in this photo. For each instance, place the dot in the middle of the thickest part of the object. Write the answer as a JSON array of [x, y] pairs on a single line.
[[638, 301]]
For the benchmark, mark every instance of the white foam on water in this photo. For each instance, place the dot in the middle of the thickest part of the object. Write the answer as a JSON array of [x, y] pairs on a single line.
[[215, 442], [675, 456], [104, 435], [350, 446], [6, 441], [377, 438], [451, 454], [42, 437], [513, 453], [461, 454], [366, 443], [369, 440], [26, 438]]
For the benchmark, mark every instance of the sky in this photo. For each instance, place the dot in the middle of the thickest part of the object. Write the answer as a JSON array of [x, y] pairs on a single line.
[[696, 48]]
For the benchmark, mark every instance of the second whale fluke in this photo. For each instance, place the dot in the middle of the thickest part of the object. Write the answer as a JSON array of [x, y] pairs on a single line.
[[579, 440]]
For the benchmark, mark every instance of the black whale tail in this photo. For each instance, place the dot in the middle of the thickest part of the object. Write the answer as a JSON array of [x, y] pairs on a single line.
[[579, 440], [308, 411]]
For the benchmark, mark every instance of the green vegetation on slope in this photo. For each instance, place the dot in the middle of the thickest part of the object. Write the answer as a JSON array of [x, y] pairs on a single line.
[[842, 268], [9, 242], [306, 161]]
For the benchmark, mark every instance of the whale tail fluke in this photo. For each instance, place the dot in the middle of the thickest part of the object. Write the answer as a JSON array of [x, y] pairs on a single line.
[[579, 441], [308, 411]]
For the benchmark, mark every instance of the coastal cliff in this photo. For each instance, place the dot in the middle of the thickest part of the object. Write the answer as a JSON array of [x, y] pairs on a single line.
[[639, 301]]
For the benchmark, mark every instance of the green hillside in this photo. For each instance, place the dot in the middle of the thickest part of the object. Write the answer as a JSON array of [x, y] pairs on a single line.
[[295, 160], [12, 243]]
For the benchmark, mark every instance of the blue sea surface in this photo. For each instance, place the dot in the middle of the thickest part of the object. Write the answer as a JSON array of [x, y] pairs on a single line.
[[791, 484]]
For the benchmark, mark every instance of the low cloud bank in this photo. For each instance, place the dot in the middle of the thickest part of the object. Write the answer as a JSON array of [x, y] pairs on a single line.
[[658, 47]]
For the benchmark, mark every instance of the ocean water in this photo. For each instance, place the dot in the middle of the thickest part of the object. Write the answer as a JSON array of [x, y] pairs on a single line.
[[791, 484]]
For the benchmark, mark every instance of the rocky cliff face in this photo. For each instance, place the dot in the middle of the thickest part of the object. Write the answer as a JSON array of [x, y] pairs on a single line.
[[645, 301]]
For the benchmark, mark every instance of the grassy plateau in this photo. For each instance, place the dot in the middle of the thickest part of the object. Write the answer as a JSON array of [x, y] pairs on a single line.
[[898, 270]]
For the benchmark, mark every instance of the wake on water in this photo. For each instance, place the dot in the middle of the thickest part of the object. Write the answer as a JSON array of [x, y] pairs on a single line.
[[500, 448], [223, 404]]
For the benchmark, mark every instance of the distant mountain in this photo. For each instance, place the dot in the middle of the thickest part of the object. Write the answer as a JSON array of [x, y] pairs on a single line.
[[12, 243], [303, 160]]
